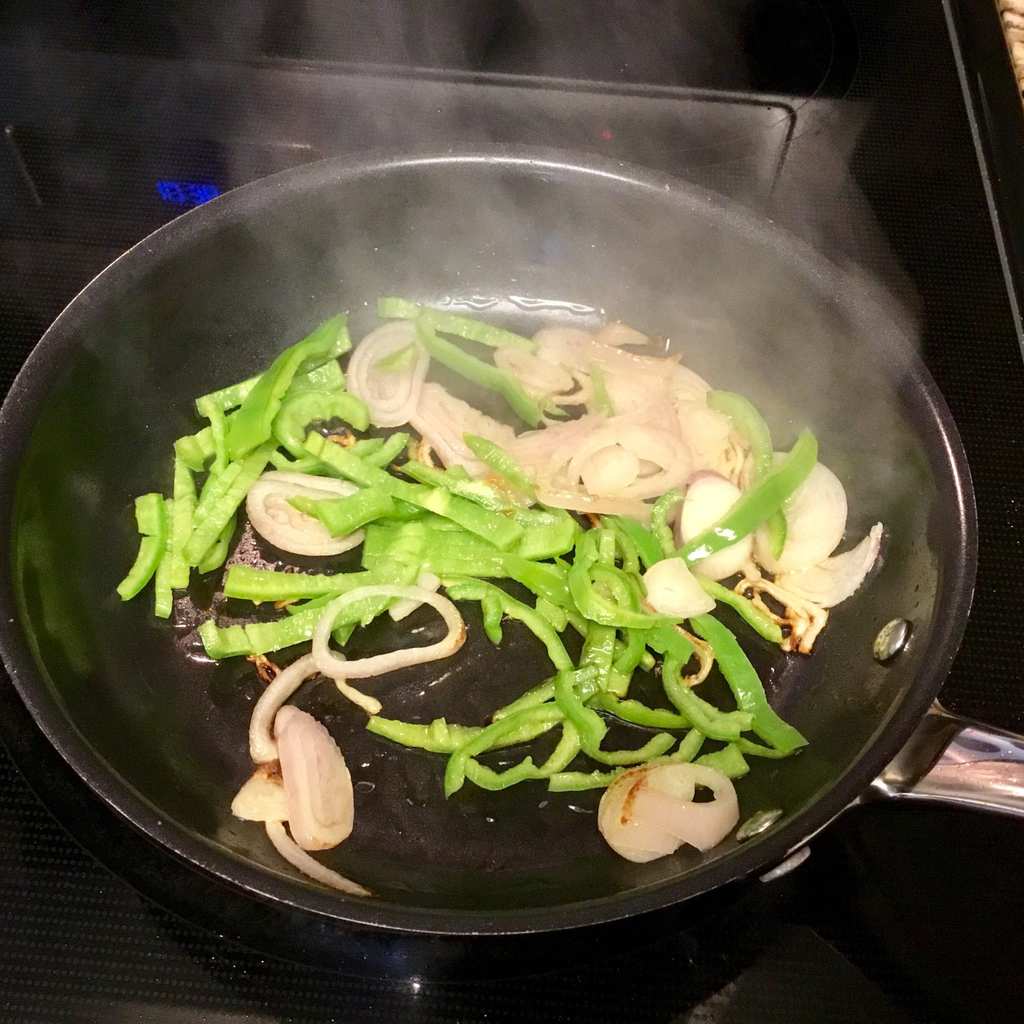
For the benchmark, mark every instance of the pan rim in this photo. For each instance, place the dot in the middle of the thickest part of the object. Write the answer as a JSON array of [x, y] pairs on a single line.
[[28, 394]]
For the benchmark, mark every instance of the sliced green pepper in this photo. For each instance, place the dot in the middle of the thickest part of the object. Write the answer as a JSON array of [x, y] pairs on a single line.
[[499, 530], [163, 598], [500, 462], [475, 330], [252, 425], [753, 616], [647, 545], [477, 590], [151, 520], [757, 504], [663, 508], [718, 725], [729, 761], [342, 516], [640, 714], [746, 686], [750, 425], [486, 375], [299, 410], [181, 523]]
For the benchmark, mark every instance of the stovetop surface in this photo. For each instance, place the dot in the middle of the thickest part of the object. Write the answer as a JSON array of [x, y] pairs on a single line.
[[844, 121]]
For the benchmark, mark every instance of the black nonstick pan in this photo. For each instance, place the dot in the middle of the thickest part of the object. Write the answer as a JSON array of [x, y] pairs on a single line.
[[159, 733]]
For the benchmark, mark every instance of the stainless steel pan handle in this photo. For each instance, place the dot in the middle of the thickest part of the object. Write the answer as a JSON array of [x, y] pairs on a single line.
[[958, 762]]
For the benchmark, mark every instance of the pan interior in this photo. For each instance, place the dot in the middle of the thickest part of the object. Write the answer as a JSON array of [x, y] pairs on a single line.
[[526, 246]]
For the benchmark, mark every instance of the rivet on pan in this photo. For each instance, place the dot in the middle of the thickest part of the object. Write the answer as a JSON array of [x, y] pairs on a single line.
[[891, 639], [758, 822]]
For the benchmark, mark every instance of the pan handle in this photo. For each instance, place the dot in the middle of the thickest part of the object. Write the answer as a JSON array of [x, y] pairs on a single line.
[[958, 762]]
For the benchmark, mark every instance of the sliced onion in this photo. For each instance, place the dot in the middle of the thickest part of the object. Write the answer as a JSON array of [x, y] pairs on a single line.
[[673, 590], [838, 577], [331, 665], [617, 335], [648, 443], [542, 379], [404, 608], [300, 860], [274, 519], [706, 433], [815, 523], [316, 781], [708, 498], [610, 470], [443, 420], [262, 745], [649, 812], [391, 397], [579, 501], [262, 797]]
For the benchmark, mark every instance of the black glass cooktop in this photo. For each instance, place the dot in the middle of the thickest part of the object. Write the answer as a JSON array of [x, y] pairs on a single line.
[[889, 135]]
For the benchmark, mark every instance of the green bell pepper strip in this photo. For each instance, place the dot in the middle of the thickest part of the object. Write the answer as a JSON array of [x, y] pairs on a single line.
[[342, 516], [299, 410], [305, 465], [584, 681], [552, 613], [455, 770], [628, 552], [442, 737], [632, 652], [218, 432], [226, 398], [746, 686], [195, 449], [668, 640], [576, 782], [477, 491], [570, 782], [750, 425], [487, 778], [225, 504], [463, 589], [391, 307], [492, 611], [646, 544], [386, 453], [163, 598], [257, 585], [325, 377], [184, 494], [475, 330], [214, 489], [252, 425], [713, 723], [647, 661], [595, 606], [486, 375], [749, 747], [598, 652], [602, 400], [499, 530], [751, 615], [548, 532], [264, 637], [729, 761], [497, 459], [587, 722], [657, 745], [151, 521], [636, 713], [663, 508], [757, 504], [217, 553], [439, 737]]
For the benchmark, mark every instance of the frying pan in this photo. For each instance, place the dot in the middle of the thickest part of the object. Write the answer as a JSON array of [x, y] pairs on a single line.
[[160, 733]]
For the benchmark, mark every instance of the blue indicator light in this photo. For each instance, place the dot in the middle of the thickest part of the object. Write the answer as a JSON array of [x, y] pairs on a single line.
[[186, 193]]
